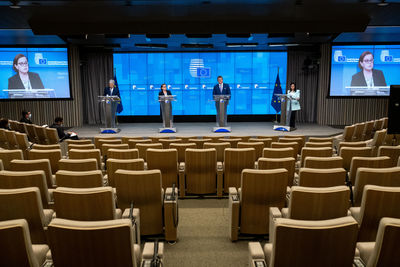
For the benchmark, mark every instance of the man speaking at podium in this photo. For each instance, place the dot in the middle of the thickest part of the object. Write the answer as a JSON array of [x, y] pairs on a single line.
[[111, 89], [221, 89]]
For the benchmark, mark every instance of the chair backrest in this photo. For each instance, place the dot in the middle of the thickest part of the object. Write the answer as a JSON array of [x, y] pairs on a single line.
[[323, 162], [386, 244], [275, 138], [320, 139], [1, 165], [258, 147], [201, 171], [385, 122], [323, 203], [113, 153], [181, 148], [125, 139], [79, 179], [358, 131], [374, 176], [167, 142], [293, 145], [347, 153], [319, 144], [143, 148], [102, 142], [260, 190], [298, 140], [8, 155], [86, 154], [286, 152], [378, 125], [23, 143], [377, 202], [106, 147], [277, 163], [97, 142], [391, 140], [236, 160], [24, 203], [322, 177], [113, 244], [46, 147], [351, 144], [78, 164], [368, 162], [3, 139], [200, 141], [41, 135], [219, 147], [78, 142], [233, 141], [165, 160], [143, 188], [348, 133], [314, 152], [133, 142], [303, 137], [267, 141], [34, 165], [54, 155], [124, 164], [379, 138], [11, 139], [85, 204], [369, 127], [245, 138], [31, 131], [314, 243], [52, 135], [16, 246], [80, 146], [391, 151], [185, 139]]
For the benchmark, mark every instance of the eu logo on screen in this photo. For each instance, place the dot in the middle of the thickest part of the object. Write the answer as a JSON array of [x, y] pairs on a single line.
[[204, 72], [341, 58], [42, 61], [388, 58]]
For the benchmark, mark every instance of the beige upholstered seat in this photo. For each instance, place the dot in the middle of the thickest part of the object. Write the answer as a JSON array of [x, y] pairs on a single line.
[[101, 142], [352, 144], [30, 130], [314, 152], [267, 141], [294, 145], [219, 147], [80, 146], [293, 136], [165, 160], [374, 176], [3, 139], [347, 134], [46, 147], [275, 138], [377, 141], [8, 155], [237, 159], [249, 206], [287, 152], [181, 148], [200, 141], [1, 165], [298, 140], [391, 140], [320, 139], [143, 148], [23, 143], [53, 155], [243, 137], [308, 243], [124, 164], [377, 202], [25, 203], [11, 140], [358, 131], [114, 244], [78, 165], [16, 248], [52, 135], [369, 127], [167, 142], [86, 204], [232, 141], [113, 153], [322, 177], [391, 151], [347, 153], [86, 154], [34, 165], [385, 250], [276, 163], [79, 179], [106, 147], [125, 139], [319, 144], [378, 125], [323, 163], [185, 139], [367, 162], [258, 147], [78, 142], [41, 135], [158, 213], [98, 143]]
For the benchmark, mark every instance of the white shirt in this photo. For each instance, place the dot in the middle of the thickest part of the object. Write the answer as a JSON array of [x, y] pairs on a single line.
[[221, 87], [27, 84], [111, 90]]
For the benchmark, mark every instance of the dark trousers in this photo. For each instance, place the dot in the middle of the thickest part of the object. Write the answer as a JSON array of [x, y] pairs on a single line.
[[293, 119]]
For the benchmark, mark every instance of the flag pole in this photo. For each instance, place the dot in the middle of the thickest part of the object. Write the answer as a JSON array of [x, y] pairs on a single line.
[[276, 113]]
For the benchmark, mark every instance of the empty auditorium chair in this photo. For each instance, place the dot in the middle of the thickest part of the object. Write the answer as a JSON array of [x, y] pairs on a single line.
[[267, 141], [391, 140], [298, 140], [314, 152], [372, 176], [385, 122], [52, 135], [158, 208], [378, 125], [391, 151], [258, 147], [244, 138], [106, 147], [78, 142], [11, 140], [294, 145], [358, 131], [308, 243], [30, 129], [86, 204], [318, 144], [275, 138], [8, 155], [101, 142], [276, 163], [200, 174], [54, 155], [165, 160], [369, 127], [16, 247], [114, 244], [46, 147], [303, 138], [249, 203], [232, 141], [125, 139], [87, 154], [143, 148], [113, 153], [1, 165], [41, 135], [166, 142], [322, 177], [287, 152], [124, 164], [347, 134], [80, 146], [377, 202], [320, 139], [237, 159], [79, 179], [352, 144], [25, 203], [23, 143], [200, 141], [181, 148], [347, 153], [367, 162], [78, 165], [385, 250], [377, 141], [133, 142], [3, 139], [214, 138], [323, 163], [220, 148], [97, 138], [35, 165]]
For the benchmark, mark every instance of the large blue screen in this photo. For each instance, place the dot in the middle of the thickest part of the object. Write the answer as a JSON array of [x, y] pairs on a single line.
[[192, 76], [364, 70], [27, 73]]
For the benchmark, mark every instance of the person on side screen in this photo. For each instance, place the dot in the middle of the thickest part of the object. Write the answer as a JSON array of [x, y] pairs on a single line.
[[24, 79], [368, 76], [294, 97]]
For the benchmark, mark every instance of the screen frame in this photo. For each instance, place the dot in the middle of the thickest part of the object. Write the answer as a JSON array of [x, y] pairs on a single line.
[[70, 98], [330, 69]]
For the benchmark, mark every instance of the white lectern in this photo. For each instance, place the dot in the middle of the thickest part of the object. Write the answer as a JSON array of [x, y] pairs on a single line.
[[109, 105], [221, 104], [286, 111], [166, 112]]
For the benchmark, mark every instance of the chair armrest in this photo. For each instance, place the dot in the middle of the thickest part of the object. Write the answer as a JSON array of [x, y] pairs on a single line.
[[234, 207], [220, 178], [256, 165], [274, 213], [135, 223], [182, 166], [148, 253], [145, 165], [355, 212], [171, 214], [182, 179], [255, 251], [365, 249]]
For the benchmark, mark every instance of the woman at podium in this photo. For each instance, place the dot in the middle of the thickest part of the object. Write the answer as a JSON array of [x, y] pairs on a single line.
[[294, 97], [24, 79], [164, 91]]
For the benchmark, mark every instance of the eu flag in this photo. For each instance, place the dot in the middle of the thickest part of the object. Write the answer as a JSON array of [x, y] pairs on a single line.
[[276, 100], [120, 108]]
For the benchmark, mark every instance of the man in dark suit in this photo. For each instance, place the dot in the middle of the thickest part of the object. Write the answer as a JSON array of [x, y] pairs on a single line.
[[221, 89], [26, 117], [112, 89], [58, 122]]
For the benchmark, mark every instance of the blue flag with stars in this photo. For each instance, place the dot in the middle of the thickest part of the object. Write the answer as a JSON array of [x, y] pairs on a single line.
[[276, 100], [120, 108]]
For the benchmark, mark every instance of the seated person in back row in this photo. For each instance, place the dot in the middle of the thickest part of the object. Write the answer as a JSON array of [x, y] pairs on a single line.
[[58, 121], [26, 117], [4, 124]]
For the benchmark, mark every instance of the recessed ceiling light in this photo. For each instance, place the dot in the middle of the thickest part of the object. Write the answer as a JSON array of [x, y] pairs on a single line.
[[383, 3], [15, 7]]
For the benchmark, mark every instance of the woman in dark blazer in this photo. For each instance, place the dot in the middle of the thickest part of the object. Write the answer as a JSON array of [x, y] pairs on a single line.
[[368, 76], [24, 79], [164, 92]]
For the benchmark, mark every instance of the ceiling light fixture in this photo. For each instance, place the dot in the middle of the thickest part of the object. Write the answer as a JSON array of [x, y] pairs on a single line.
[[383, 3]]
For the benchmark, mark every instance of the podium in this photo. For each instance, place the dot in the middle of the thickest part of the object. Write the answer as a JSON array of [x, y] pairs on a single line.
[[166, 113], [109, 105], [221, 104], [32, 93], [286, 111]]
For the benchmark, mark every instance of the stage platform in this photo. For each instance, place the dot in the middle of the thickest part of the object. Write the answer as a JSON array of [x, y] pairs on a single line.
[[205, 129]]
